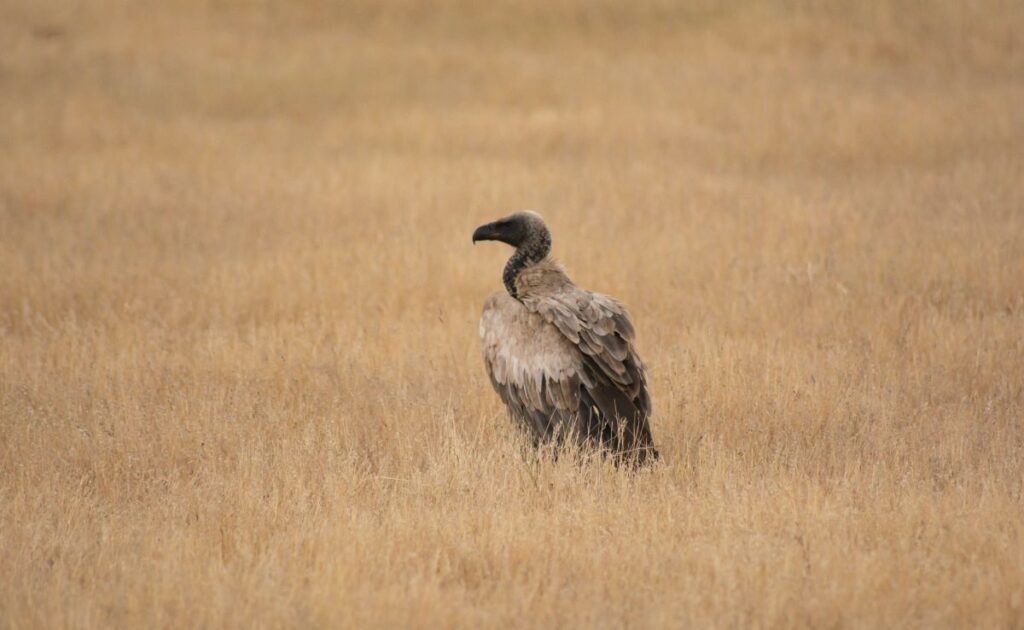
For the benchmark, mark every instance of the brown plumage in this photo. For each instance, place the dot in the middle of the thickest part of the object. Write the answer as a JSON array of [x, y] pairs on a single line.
[[562, 358]]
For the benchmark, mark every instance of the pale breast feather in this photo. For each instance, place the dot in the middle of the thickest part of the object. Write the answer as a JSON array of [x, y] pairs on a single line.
[[532, 366]]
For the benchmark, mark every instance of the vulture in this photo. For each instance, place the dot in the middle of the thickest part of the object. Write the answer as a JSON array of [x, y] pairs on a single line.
[[562, 359]]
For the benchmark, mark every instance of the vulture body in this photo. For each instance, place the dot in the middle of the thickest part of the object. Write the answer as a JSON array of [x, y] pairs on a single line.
[[562, 358]]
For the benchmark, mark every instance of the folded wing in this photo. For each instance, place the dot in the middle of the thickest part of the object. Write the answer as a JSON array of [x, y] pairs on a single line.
[[599, 328]]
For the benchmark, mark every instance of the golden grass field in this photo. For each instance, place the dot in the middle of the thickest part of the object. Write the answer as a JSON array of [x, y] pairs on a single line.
[[240, 381]]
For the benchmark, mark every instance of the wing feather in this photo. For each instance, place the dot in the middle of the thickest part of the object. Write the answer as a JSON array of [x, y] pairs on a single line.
[[598, 327]]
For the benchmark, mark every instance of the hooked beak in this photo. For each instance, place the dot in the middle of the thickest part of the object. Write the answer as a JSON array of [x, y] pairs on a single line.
[[486, 232]]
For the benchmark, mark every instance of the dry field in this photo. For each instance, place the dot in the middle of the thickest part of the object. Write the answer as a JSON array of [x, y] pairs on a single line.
[[240, 383]]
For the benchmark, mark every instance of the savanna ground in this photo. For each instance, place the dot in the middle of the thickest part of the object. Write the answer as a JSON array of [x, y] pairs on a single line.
[[240, 383]]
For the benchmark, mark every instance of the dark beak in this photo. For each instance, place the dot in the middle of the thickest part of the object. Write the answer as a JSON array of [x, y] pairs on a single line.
[[487, 232]]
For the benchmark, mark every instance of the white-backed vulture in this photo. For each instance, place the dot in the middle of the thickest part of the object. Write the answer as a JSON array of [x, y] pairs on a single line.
[[562, 358]]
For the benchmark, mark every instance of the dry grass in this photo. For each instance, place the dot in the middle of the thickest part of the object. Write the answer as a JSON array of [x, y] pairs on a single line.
[[239, 374]]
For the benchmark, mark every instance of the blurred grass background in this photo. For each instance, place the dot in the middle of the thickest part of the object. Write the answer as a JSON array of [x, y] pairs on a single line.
[[240, 382]]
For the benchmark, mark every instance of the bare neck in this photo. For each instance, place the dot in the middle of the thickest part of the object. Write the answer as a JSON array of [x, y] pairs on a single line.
[[529, 253]]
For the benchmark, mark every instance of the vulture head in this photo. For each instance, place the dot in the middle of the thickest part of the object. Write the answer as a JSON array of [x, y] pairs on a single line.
[[527, 233], [523, 230]]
